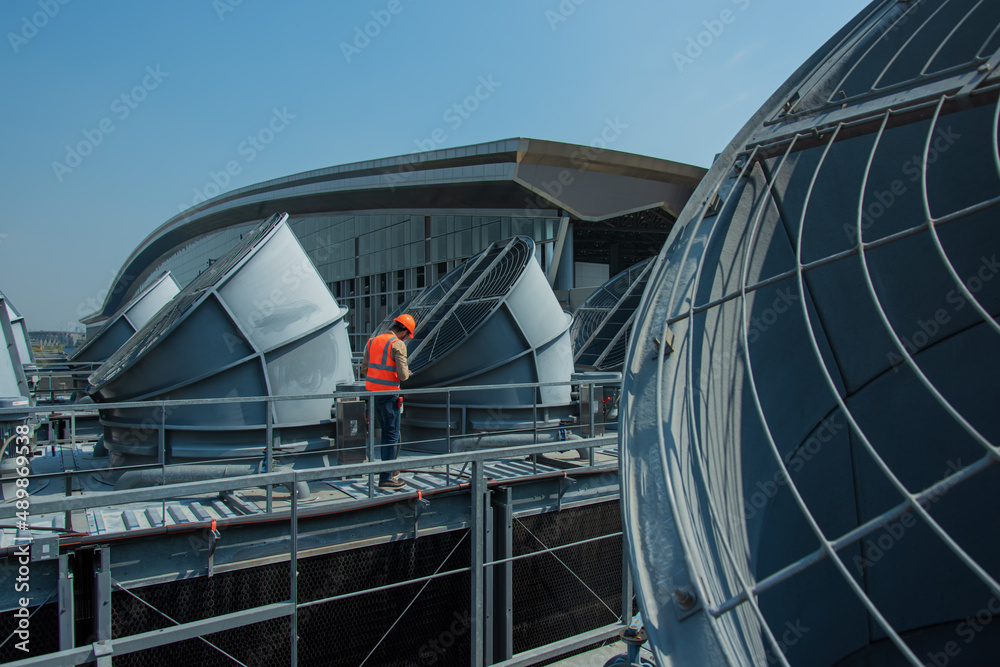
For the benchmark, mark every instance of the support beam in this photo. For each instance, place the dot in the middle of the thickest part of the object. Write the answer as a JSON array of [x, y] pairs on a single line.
[[557, 251], [477, 532], [293, 579], [489, 593], [626, 585], [67, 611], [102, 603], [503, 574]]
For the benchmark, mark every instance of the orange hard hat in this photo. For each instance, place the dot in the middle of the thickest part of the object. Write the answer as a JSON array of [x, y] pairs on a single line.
[[407, 321]]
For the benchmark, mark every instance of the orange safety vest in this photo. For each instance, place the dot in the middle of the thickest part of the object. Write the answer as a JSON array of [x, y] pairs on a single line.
[[381, 366]]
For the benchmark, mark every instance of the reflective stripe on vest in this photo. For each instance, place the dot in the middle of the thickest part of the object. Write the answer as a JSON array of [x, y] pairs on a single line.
[[381, 366]]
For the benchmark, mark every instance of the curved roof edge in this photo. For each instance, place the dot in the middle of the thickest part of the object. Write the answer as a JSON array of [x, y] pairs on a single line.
[[474, 176]]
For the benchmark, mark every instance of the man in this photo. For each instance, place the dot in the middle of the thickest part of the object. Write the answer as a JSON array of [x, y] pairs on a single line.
[[384, 367]]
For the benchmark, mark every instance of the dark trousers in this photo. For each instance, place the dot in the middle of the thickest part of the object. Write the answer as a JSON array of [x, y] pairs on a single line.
[[387, 413]]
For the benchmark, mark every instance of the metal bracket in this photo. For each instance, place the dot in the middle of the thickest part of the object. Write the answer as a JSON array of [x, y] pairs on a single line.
[[216, 536], [564, 483], [713, 205], [686, 602], [101, 613], [103, 652], [419, 505], [44, 548], [666, 346], [67, 606]]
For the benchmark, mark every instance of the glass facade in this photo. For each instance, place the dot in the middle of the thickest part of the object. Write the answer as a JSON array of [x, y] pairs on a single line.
[[374, 262]]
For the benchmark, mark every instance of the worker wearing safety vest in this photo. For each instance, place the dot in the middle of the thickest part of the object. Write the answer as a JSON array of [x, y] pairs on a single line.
[[384, 367]]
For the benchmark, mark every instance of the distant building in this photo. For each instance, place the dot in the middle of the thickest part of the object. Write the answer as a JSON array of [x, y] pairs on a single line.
[[63, 339], [379, 231]]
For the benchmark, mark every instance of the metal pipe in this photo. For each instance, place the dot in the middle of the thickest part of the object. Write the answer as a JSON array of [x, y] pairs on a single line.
[[135, 479], [490, 440]]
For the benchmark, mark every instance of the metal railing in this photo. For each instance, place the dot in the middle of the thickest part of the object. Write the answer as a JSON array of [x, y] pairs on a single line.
[[482, 564]]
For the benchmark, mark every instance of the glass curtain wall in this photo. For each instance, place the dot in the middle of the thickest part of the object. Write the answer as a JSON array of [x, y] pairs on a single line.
[[373, 262]]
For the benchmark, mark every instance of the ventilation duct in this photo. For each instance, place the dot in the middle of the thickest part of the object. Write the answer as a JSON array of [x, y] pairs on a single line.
[[601, 326], [14, 390], [19, 330], [494, 320], [809, 434], [120, 327], [259, 321]]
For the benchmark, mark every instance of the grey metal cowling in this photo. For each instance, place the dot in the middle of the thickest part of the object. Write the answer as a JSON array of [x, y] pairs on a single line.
[[494, 320], [14, 389], [603, 323], [809, 431], [258, 322], [129, 319], [19, 333]]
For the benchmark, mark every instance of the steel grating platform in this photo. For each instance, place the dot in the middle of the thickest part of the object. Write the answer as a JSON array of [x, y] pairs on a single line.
[[231, 505]]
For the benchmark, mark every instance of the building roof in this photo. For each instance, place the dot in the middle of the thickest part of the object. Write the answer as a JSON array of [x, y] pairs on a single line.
[[536, 176]]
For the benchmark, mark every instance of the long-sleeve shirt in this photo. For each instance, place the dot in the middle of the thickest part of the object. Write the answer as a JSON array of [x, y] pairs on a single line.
[[398, 353]]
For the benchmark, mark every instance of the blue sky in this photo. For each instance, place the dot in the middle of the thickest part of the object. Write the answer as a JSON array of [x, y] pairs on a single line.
[[117, 114]]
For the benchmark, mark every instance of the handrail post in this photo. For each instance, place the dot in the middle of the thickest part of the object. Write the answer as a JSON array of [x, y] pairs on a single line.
[[593, 432], [626, 585], [269, 452], [293, 574], [371, 443], [477, 529], [161, 444], [534, 431], [447, 435]]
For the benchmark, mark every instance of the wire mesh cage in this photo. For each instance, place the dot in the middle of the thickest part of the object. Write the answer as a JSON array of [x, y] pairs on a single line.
[[809, 471], [603, 323], [567, 592]]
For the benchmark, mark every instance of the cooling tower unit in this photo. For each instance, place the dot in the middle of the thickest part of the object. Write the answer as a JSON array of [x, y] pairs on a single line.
[[809, 424], [258, 322], [120, 327], [494, 320], [14, 391], [602, 325]]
